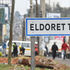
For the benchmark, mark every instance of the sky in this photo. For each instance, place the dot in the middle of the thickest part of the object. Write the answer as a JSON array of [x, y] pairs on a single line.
[[23, 5]]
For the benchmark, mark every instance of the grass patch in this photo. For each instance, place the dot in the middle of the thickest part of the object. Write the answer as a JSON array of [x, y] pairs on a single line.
[[5, 67]]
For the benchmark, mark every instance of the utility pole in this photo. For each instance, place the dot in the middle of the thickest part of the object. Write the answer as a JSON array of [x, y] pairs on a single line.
[[11, 26], [37, 15], [37, 9], [69, 41], [32, 42], [42, 4], [31, 9], [23, 30], [49, 3]]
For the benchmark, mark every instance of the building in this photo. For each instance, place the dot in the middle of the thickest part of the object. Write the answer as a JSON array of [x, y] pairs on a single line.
[[17, 27]]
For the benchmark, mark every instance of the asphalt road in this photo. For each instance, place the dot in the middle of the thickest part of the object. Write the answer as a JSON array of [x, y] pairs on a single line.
[[66, 61], [60, 60]]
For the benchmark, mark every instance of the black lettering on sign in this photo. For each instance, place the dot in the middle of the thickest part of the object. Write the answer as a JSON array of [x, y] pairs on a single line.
[[47, 26], [32, 27], [52, 26], [69, 26], [36, 28], [63, 26], [41, 26], [58, 27]]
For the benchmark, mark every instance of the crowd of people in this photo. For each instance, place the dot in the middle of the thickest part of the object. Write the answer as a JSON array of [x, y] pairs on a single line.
[[18, 49], [15, 50], [54, 50]]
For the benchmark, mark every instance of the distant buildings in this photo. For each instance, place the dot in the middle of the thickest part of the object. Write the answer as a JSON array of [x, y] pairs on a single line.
[[17, 28]]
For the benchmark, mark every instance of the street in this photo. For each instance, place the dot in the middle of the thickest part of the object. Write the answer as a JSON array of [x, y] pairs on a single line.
[[61, 61], [66, 61]]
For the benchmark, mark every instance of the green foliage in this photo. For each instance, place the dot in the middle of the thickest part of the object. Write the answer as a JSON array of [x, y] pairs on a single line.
[[5, 67], [8, 67], [0, 54]]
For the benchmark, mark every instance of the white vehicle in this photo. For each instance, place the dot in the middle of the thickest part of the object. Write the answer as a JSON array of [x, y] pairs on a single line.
[[1, 49], [25, 44]]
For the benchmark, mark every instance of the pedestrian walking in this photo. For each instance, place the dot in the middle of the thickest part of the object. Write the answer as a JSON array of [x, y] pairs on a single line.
[[36, 48], [64, 48], [4, 49], [22, 50], [36, 51], [46, 52], [54, 49], [15, 50]]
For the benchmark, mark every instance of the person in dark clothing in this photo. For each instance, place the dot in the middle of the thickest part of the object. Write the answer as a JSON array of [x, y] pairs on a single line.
[[23, 50], [15, 50], [46, 52], [54, 49]]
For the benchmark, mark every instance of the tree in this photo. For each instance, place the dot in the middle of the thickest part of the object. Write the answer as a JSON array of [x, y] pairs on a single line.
[[58, 8], [11, 26]]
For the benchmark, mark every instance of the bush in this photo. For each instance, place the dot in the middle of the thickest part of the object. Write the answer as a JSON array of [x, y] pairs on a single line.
[[0, 54]]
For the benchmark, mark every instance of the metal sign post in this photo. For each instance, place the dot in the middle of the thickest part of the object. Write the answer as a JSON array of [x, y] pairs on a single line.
[[32, 53], [32, 41]]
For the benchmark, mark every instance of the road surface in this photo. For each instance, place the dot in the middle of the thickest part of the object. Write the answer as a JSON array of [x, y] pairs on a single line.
[[60, 60]]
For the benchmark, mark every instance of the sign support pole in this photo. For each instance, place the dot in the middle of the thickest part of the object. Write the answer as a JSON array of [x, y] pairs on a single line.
[[42, 4], [32, 53], [32, 42]]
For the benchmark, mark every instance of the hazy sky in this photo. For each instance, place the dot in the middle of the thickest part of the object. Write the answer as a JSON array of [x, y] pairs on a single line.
[[23, 5]]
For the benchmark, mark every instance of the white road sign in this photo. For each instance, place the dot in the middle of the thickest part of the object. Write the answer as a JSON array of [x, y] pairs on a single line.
[[47, 26], [53, 15]]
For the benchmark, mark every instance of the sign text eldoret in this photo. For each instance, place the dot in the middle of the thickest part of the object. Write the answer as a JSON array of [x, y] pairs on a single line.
[[47, 26]]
